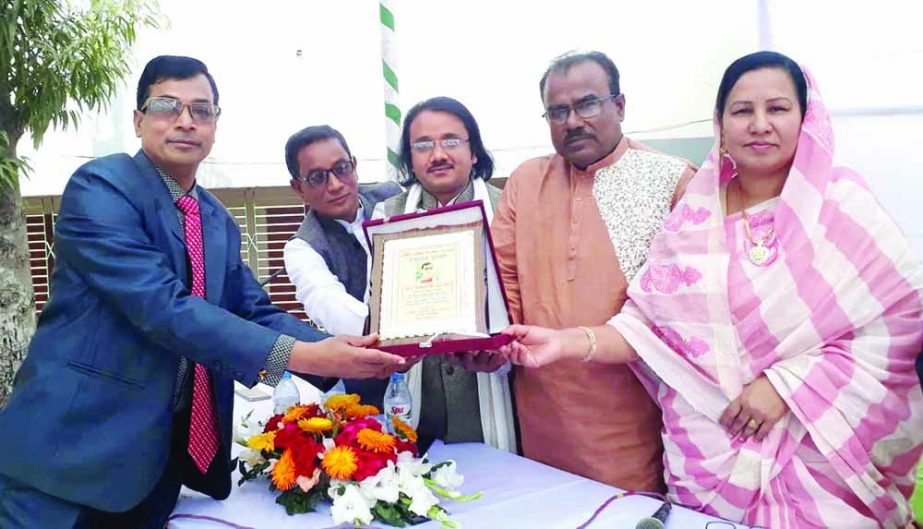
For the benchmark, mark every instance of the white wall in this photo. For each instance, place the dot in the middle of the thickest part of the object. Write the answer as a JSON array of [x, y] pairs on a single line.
[[490, 54], [888, 151]]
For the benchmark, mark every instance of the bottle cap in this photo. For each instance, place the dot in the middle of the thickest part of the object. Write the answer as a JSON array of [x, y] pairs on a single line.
[[286, 374], [397, 376]]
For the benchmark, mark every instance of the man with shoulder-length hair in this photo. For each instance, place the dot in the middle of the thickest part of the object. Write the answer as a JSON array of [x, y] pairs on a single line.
[[127, 392], [571, 230], [465, 397]]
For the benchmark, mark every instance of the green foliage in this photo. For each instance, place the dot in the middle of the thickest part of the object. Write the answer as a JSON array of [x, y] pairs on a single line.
[[296, 501], [10, 166], [57, 60], [246, 473], [398, 514]]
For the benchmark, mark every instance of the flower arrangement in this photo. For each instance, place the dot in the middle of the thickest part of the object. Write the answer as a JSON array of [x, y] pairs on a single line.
[[339, 452]]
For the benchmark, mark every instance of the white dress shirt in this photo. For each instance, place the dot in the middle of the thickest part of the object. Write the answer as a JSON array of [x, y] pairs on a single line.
[[324, 297]]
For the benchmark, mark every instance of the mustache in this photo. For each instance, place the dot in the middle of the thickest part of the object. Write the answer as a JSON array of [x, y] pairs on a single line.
[[577, 134], [437, 166]]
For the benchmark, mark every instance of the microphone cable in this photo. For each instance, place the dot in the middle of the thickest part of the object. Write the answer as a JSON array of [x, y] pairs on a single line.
[[713, 524]]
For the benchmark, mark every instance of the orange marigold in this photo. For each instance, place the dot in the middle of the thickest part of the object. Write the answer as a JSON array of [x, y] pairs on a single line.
[[359, 411], [340, 462], [299, 411], [316, 425], [375, 441], [263, 441], [341, 402], [283, 474], [405, 430]]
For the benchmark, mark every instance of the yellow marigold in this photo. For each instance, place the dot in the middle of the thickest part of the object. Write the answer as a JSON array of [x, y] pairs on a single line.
[[341, 402], [297, 412], [263, 441], [340, 463], [316, 425], [375, 441], [283, 474], [406, 431], [359, 411]]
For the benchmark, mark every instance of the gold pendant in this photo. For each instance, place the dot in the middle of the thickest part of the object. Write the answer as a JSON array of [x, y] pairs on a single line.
[[758, 255]]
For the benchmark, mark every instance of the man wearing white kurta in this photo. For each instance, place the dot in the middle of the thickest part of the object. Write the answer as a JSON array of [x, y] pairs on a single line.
[[328, 259]]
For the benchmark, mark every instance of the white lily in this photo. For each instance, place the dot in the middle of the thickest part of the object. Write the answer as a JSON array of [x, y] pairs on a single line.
[[406, 463], [447, 477], [349, 504], [382, 486], [421, 498], [251, 457]]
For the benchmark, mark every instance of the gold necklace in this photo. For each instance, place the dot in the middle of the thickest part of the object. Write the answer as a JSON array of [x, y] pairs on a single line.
[[758, 253]]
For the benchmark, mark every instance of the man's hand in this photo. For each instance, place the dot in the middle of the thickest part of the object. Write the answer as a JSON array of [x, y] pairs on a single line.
[[480, 361], [758, 408], [344, 357]]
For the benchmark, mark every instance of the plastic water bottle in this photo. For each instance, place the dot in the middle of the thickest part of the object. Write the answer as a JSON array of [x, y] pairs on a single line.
[[285, 395], [397, 400]]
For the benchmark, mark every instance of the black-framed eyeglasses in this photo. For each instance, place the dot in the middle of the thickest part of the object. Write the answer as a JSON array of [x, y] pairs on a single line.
[[343, 169], [586, 109], [202, 112], [448, 144]]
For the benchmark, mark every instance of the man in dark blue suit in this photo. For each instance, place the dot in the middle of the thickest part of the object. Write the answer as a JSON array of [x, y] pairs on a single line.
[[127, 391]]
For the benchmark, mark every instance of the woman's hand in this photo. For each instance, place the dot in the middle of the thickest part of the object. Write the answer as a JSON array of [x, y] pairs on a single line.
[[532, 346], [758, 408]]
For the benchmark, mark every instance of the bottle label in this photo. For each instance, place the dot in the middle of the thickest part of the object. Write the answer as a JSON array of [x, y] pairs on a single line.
[[399, 410]]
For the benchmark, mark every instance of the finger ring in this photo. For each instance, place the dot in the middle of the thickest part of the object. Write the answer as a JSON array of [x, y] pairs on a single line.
[[752, 424]]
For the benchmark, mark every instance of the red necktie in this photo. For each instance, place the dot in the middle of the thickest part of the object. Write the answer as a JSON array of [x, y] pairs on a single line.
[[203, 425]]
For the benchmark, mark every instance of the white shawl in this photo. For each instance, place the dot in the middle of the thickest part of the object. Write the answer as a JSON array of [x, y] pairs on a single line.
[[493, 388]]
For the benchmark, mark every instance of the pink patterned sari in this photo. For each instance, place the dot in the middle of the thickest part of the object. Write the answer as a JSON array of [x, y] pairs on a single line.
[[834, 322]]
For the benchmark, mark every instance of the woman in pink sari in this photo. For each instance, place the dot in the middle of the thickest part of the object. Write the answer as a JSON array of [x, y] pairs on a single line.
[[776, 321]]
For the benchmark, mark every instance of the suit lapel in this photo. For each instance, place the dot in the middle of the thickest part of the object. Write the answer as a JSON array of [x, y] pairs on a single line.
[[215, 242], [166, 211]]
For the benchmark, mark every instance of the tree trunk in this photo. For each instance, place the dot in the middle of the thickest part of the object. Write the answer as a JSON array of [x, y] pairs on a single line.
[[17, 307]]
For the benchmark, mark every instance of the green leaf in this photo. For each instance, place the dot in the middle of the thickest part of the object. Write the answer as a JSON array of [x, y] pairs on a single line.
[[297, 501], [389, 514], [455, 496], [61, 58], [246, 473]]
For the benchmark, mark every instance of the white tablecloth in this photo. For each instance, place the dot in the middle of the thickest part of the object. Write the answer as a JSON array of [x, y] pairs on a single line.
[[518, 493]]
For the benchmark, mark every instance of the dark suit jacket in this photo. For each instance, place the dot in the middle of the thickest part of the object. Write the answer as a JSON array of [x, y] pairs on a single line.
[[90, 416]]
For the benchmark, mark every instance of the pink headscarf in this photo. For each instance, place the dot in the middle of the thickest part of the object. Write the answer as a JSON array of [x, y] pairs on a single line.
[[836, 331]]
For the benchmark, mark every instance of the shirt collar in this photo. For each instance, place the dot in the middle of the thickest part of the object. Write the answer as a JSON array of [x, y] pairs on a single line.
[[176, 192], [429, 201], [355, 225], [605, 161]]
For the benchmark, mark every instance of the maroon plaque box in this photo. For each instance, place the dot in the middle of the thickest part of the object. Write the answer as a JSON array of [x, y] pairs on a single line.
[[490, 299]]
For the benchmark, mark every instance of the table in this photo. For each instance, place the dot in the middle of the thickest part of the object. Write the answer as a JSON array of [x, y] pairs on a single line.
[[518, 493]]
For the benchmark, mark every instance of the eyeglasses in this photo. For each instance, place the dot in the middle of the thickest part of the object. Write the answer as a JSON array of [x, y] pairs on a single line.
[[448, 144], [202, 112], [318, 177], [586, 109]]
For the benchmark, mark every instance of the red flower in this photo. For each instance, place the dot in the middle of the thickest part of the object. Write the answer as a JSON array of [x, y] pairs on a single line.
[[291, 436], [370, 463], [305, 455], [273, 423], [406, 446]]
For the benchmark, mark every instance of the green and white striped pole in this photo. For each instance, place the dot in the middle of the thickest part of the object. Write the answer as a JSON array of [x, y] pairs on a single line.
[[389, 69]]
